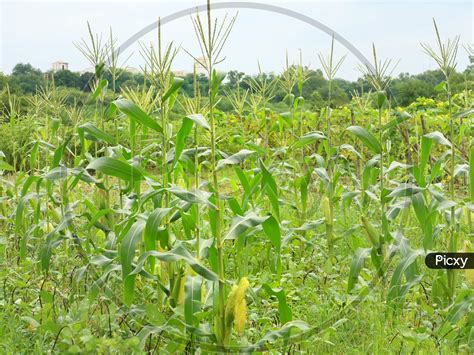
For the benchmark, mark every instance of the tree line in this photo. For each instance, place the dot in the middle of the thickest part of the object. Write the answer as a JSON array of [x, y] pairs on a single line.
[[406, 88]]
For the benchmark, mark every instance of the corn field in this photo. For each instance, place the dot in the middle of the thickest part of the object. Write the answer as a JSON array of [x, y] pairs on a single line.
[[134, 229]]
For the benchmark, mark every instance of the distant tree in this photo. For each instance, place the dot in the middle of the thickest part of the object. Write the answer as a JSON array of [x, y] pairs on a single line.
[[431, 77], [404, 90], [67, 78], [84, 81], [233, 78], [314, 83], [407, 88], [26, 79], [470, 67], [316, 102], [3, 81], [23, 69], [130, 83], [124, 76]]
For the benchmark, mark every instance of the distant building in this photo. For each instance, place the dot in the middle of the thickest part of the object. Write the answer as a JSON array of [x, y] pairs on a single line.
[[180, 73], [132, 70], [59, 65]]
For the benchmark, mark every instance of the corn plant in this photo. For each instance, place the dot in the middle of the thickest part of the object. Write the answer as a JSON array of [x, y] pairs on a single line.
[[445, 57], [330, 67], [147, 218]]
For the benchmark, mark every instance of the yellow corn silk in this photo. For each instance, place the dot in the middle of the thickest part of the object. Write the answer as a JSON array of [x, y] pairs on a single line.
[[240, 308], [236, 308]]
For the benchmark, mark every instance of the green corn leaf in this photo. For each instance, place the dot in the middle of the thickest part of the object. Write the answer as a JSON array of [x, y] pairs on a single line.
[[181, 136], [33, 155], [52, 240], [255, 147], [184, 132], [57, 173], [405, 190], [234, 206], [458, 310], [101, 86], [381, 98], [116, 167], [308, 138], [192, 299], [351, 149], [441, 86], [137, 114], [216, 81], [284, 311], [420, 170], [152, 227], [95, 288], [237, 158], [20, 210], [271, 227], [242, 224], [435, 170], [173, 90], [465, 113], [312, 225], [367, 138], [62, 172], [128, 248], [30, 181], [5, 166], [92, 133], [20, 222], [395, 286], [439, 138], [323, 174], [179, 252], [270, 187], [193, 196], [110, 111], [356, 266], [46, 250], [58, 154], [243, 179], [272, 336], [400, 118], [424, 219], [303, 183], [199, 120]]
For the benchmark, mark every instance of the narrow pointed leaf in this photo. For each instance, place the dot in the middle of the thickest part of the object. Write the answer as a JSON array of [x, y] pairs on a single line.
[[116, 167], [367, 138], [356, 266], [137, 114]]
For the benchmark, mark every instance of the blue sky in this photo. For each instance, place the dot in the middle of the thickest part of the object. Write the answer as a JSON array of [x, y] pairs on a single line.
[[42, 32]]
